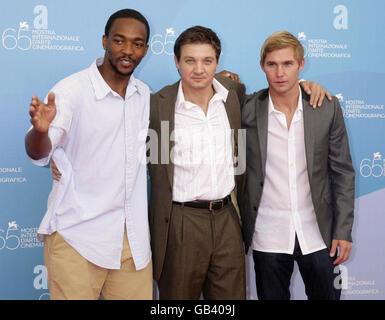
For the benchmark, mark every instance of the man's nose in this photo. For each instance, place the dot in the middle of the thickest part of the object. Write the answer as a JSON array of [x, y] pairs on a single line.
[[127, 49], [198, 67], [280, 71]]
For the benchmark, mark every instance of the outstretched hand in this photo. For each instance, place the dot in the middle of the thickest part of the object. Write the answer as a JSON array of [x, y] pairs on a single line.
[[42, 114]]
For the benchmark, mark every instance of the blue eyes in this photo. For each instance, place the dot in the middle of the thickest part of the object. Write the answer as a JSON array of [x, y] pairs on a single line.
[[286, 64], [189, 61]]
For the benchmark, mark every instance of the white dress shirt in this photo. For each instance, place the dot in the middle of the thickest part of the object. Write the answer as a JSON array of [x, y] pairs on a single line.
[[286, 206], [96, 146], [203, 153]]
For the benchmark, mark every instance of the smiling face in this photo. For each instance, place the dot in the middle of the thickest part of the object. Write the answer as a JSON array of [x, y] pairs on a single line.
[[282, 69], [125, 45], [197, 66]]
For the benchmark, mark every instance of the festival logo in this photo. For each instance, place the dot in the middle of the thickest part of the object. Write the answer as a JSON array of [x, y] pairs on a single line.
[[40, 282], [359, 108], [373, 166], [323, 48], [358, 287], [13, 237], [327, 48], [163, 43], [36, 35], [341, 279], [340, 21], [12, 175]]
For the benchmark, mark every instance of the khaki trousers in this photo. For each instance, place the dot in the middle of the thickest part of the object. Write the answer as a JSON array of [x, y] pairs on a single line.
[[72, 277], [204, 254]]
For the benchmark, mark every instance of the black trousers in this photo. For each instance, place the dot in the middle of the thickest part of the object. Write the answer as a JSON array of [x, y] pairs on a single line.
[[204, 255], [273, 273]]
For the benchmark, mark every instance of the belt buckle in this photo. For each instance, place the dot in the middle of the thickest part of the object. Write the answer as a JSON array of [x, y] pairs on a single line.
[[213, 202]]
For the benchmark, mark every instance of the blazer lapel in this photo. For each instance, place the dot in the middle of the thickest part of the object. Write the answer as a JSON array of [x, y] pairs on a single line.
[[231, 110], [308, 123], [232, 100], [262, 114], [167, 114]]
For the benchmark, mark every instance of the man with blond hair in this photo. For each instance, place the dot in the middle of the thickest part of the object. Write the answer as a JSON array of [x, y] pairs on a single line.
[[299, 195]]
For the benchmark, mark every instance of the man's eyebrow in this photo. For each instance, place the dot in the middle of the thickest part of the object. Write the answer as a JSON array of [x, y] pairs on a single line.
[[118, 35], [285, 61], [124, 37], [191, 57]]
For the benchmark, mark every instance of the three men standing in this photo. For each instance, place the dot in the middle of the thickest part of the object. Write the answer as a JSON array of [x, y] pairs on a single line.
[[97, 234]]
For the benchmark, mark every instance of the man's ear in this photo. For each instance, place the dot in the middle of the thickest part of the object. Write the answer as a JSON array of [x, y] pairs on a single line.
[[176, 62], [104, 42], [302, 65], [261, 64]]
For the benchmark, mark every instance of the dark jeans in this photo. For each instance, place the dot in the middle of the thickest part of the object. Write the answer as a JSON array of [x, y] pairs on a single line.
[[273, 272]]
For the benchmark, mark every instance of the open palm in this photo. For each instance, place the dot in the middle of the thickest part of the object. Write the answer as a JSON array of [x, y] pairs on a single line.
[[42, 114]]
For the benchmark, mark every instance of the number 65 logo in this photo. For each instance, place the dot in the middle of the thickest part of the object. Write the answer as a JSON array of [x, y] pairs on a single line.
[[4, 241], [12, 39], [374, 167], [159, 46]]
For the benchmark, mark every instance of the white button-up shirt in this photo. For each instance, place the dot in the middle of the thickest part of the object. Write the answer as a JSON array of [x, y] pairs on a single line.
[[98, 144], [203, 156], [286, 207]]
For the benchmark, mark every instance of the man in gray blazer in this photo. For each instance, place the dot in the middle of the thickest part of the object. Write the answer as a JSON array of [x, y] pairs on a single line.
[[196, 235], [298, 202], [195, 230]]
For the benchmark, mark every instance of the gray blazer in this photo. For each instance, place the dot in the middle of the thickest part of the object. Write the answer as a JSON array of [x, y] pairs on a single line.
[[329, 165]]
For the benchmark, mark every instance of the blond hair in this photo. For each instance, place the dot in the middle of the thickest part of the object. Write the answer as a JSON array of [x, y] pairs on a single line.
[[280, 40]]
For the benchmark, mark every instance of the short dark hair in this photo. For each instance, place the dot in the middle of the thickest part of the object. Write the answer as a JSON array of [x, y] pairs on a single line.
[[197, 34], [127, 13]]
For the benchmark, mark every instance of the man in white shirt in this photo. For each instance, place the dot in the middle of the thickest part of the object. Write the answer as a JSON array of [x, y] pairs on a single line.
[[97, 239], [299, 195], [194, 169], [195, 230]]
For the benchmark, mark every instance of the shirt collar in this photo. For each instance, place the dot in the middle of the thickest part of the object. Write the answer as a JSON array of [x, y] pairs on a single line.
[[221, 93], [299, 107], [102, 89]]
